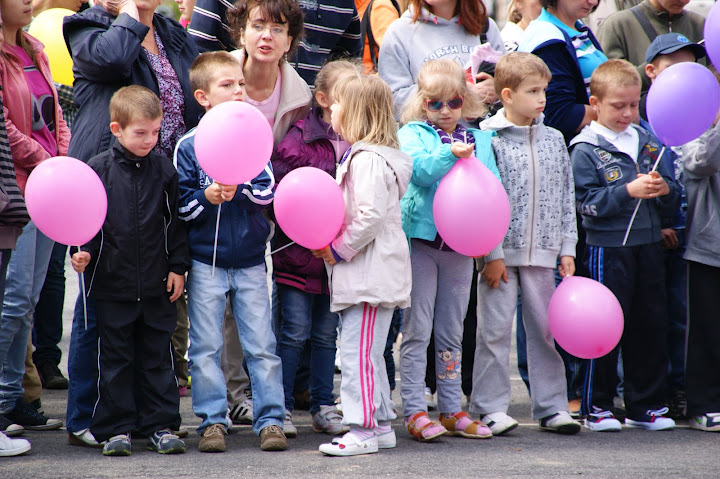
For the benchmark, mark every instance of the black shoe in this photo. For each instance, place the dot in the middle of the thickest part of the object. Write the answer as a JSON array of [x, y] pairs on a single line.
[[28, 417], [50, 376], [678, 405], [9, 428]]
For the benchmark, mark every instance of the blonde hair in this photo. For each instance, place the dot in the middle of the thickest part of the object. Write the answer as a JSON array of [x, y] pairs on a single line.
[[331, 71], [438, 79], [132, 103], [367, 110], [515, 67], [204, 68], [613, 74]]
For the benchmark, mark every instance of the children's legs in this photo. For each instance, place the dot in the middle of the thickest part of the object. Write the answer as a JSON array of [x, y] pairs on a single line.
[[251, 308], [703, 355], [364, 389], [323, 337], [296, 312], [236, 378], [451, 302], [546, 369], [417, 327], [206, 306], [82, 367], [155, 380], [491, 371], [115, 411]]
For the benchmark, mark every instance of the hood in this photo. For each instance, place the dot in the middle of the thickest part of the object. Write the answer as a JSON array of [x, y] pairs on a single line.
[[399, 162], [499, 122]]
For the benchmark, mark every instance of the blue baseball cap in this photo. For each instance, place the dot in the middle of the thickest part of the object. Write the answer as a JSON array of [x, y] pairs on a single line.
[[672, 42]]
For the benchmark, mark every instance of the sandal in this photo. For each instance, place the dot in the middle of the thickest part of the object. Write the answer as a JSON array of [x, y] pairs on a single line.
[[422, 428], [461, 424]]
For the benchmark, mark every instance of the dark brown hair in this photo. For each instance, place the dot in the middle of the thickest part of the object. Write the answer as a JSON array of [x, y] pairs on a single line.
[[278, 11], [473, 14], [132, 103]]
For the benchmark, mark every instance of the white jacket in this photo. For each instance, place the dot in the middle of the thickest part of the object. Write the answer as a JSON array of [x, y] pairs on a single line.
[[376, 258]]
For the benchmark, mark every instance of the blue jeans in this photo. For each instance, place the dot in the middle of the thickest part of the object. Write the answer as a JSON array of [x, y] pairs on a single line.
[[48, 322], [251, 308], [25, 277], [307, 316], [82, 367]]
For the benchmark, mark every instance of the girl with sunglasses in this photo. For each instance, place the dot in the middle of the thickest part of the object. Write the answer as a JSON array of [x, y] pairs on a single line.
[[441, 277]]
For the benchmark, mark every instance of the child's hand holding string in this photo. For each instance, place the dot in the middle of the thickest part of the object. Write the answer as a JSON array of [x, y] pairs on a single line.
[[325, 254], [462, 150], [217, 193], [80, 260]]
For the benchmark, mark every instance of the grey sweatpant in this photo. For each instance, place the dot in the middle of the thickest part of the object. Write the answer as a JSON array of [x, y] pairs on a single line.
[[491, 374], [439, 302], [364, 386]]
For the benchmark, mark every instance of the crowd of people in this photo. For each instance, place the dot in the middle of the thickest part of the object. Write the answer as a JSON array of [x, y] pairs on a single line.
[[191, 284]]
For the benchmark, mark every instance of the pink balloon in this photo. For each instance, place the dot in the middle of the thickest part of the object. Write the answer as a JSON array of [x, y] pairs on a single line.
[[233, 142], [586, 318], [66, 200], [471, 209], [309, 207]]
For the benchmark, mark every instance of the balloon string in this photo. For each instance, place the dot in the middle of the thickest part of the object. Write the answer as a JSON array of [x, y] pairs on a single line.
[[279, 249], [82, 290], [217, 228], [637, 206]]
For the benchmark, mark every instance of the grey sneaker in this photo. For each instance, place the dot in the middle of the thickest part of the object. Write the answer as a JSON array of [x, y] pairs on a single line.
[[242, 414], [118, 446], [328, 419], [272, 438], [213, 439], [288, 427], [165, 442]]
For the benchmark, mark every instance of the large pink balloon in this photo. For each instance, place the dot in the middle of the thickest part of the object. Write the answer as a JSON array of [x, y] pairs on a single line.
[[471, 209], [233, 142], [586, 318], [66, 200], [309, 207], [712, 34]]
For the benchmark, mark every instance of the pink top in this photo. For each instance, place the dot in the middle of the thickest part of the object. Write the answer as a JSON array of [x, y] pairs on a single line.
[[269, 107]]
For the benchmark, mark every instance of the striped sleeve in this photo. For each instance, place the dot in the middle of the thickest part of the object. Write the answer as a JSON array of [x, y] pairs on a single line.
[[13, 211], [209, 27]]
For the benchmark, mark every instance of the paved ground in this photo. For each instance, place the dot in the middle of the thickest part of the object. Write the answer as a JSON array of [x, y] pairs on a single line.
[[526, 452]]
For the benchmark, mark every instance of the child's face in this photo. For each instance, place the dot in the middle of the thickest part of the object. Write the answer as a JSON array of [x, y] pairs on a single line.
[[661, 62], [336, 117], [16, 13], [524, 104], [444, 112], [228, 84], [618, 108], [139, 136], [264, 40], [186, 8]]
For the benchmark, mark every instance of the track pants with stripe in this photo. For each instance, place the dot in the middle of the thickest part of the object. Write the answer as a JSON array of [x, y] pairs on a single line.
[[636, 275], [364, 387], [137, 389]]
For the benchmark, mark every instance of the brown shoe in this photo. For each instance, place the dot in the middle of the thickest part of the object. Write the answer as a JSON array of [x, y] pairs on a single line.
[[272, 438], [213, 439]]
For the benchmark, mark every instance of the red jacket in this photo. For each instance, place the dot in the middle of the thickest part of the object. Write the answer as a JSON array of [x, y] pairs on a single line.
[[17, 106]]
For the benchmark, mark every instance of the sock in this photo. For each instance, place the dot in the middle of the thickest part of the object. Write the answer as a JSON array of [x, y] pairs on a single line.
[[464, 420], [384, 427], [361, 432]]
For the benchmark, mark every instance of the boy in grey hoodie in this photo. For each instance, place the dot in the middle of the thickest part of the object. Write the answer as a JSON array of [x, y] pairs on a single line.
[[536, 173]]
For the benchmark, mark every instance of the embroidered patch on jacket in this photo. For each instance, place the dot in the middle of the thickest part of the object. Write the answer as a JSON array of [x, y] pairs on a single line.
[[613, 173]]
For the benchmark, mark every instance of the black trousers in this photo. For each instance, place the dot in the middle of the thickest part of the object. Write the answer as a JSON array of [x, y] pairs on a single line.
[[702, 376], [137, 386], [636, 275]]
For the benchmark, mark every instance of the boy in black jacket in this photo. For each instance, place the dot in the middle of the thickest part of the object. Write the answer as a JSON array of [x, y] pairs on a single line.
[[612, 165], [136, 266]]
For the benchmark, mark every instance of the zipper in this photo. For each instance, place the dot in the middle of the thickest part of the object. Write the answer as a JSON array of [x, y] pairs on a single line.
[[533, 173], [137, 227]]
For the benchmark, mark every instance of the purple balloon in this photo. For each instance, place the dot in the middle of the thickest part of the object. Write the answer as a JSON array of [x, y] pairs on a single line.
[[712, 34], [682, 103]]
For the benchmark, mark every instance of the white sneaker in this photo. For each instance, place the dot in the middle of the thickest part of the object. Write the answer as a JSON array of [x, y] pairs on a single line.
[[602, 421], [652, 420], [707, 422], [329, 419], [430, 399], [83, 438], [242, 414], [499, 423], [12, 447], [560, 422], [386, 440], [350, 445], [288, 427]]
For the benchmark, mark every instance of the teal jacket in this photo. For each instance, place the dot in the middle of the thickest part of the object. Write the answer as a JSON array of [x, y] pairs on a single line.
[[431, 161]]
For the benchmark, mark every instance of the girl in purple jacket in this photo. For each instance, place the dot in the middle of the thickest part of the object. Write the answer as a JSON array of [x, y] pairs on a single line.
[[301, 278]]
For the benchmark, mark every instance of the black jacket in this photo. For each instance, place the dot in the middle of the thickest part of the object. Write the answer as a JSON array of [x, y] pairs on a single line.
[[107, 55], [142, 238]]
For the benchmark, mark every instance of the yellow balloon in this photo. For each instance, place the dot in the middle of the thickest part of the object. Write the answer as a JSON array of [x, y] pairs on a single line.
[[47, 27]]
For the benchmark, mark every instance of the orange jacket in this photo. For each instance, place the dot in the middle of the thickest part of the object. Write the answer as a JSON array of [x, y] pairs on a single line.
[[382, 15]]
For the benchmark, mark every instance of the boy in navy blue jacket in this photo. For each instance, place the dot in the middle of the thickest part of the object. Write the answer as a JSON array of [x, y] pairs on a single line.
[[215, 78], [135, 271], [612, 164]]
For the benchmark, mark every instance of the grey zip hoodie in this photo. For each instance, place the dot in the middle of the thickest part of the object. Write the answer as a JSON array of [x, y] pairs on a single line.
[[701, 159], [537, 175], [406, 46]]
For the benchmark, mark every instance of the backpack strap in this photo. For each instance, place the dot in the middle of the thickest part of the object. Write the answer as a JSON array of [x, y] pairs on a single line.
[[483, 35], [366, 32], [644, 22]]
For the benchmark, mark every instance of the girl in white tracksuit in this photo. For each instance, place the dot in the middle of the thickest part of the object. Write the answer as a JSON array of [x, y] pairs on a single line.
[[369, 261]]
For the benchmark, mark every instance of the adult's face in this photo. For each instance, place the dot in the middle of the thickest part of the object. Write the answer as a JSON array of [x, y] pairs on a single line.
[[574, 10], [147, 5], [264, 40], [672, 7]]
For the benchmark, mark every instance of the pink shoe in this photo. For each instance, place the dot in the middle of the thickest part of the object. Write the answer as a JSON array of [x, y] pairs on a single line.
[[461, 424], [422, 428]]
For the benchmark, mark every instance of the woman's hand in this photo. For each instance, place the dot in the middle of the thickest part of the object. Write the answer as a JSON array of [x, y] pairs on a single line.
[[116, 7]]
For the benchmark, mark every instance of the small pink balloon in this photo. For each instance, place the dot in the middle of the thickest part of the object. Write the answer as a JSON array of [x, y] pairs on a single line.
[[233, 142], [309, 207], [471, 209], [586, 318], [66, 200]]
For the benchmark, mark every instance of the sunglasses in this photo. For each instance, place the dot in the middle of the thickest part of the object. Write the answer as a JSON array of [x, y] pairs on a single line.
[[437, 105]]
